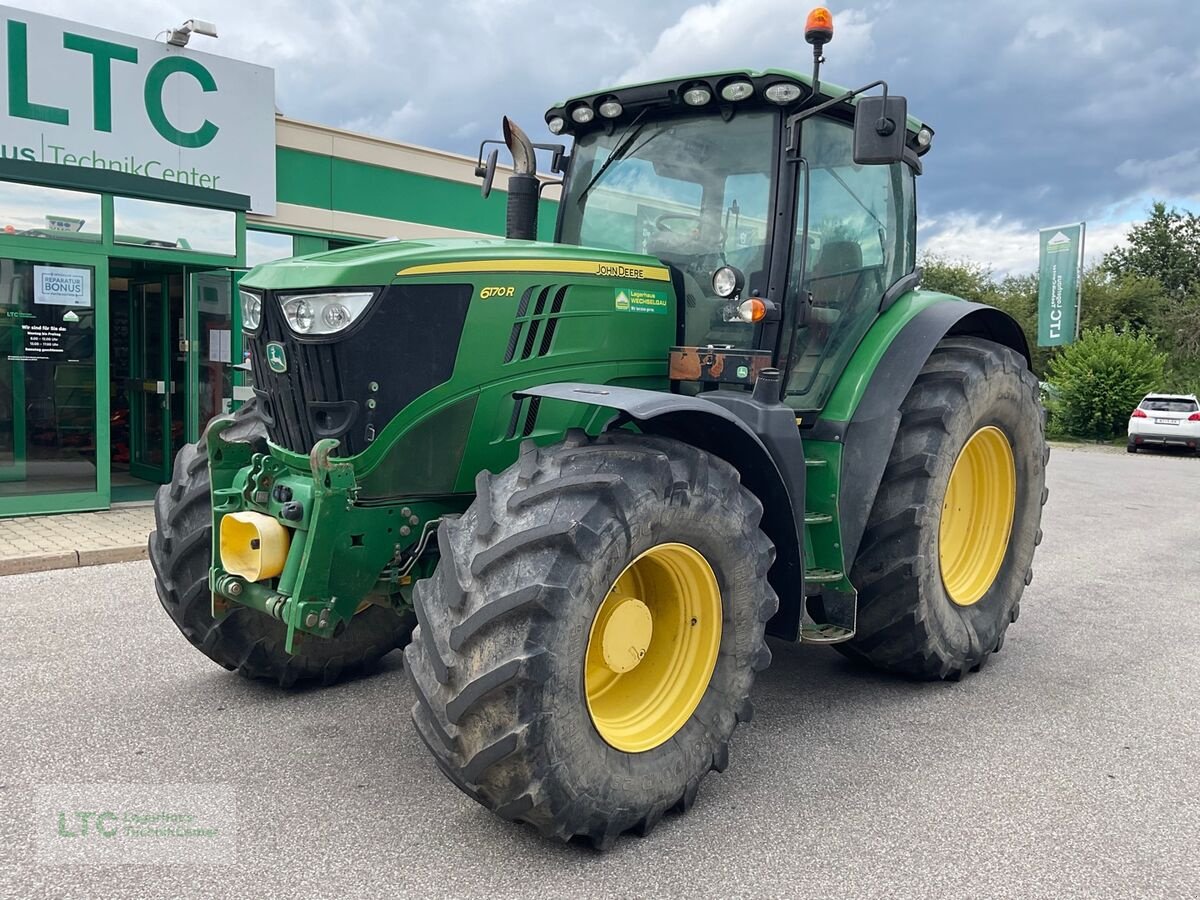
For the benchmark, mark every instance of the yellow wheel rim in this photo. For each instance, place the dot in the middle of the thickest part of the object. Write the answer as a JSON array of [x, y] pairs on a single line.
[[977, 515], [652, 647]]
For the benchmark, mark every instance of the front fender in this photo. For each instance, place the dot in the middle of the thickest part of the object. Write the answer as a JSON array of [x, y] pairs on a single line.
[[772, 470]]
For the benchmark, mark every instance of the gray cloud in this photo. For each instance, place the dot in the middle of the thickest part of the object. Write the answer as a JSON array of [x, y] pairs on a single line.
[[1044, 114]]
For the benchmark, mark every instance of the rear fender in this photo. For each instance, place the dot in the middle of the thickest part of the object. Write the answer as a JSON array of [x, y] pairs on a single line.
[[771, 466], [868, 435]]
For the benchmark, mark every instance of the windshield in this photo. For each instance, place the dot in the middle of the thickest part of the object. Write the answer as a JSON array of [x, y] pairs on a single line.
[[693, 192]]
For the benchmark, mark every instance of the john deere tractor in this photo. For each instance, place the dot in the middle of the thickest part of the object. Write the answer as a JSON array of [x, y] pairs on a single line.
[[597, 472]]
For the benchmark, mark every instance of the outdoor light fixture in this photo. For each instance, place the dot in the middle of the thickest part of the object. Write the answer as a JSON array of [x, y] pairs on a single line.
[[611, 108], [737, 90], [924, 138], [178, 37], [783, 92], [556, 125], [697, 95], [727, 281], [582, 114]]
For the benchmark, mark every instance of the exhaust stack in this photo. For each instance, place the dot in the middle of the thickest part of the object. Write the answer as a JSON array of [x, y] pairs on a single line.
[[523, 185]]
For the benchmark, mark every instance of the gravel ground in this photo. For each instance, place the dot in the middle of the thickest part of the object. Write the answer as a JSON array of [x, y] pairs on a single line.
[[1069, 767]]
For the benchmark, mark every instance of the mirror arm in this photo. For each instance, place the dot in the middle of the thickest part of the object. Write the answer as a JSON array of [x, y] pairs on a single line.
[[480, 169], [794, 120]]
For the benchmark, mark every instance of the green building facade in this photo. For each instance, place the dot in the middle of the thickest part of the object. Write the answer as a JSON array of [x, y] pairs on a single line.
[[119, 326]]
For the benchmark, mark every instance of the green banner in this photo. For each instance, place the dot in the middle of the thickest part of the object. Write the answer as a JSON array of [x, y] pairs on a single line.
[[1058, 284]]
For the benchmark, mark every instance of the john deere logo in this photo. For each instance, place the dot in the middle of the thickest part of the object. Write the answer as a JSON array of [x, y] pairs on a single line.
[[276, 357]]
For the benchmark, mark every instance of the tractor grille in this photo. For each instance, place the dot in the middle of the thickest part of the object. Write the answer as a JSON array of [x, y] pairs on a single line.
[[532, 333], [406, 344]]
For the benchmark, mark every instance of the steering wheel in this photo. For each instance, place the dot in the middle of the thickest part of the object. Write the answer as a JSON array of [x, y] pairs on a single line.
[[658, 223]]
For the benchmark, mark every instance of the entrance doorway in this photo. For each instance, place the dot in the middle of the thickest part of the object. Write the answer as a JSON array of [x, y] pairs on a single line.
[[172, 345]]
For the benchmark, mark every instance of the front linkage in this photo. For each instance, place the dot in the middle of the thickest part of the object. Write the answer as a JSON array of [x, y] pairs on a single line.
[[292, 542]]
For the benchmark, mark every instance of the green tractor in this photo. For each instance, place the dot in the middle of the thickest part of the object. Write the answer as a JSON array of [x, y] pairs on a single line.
[[581, 481]]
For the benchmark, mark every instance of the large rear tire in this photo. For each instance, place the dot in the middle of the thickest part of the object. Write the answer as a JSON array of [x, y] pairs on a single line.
[[627, 561], [246, 640], [949, 544]]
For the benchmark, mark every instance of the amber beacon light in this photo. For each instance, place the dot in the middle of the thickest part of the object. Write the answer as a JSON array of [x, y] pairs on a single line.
[[818, 28]]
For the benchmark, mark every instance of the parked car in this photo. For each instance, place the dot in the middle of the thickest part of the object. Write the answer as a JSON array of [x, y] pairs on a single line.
[[1165, 420]]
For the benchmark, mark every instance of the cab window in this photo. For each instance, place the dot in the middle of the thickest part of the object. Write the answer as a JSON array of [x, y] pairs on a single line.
[[694, 192]]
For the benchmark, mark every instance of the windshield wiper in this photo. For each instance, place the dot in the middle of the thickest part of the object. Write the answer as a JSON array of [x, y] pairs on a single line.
[[619, 151]]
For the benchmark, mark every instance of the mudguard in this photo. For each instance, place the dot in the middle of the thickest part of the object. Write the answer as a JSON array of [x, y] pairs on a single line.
[[759, 439], [867, 437]]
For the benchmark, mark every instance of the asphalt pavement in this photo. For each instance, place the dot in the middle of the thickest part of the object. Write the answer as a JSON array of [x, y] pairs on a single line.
[[1068, 767]]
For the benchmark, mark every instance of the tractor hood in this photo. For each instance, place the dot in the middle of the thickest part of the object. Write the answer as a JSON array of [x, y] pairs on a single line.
[[384, 262]]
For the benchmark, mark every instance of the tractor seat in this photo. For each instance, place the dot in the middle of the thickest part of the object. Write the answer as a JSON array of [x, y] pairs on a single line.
[[836, 274]]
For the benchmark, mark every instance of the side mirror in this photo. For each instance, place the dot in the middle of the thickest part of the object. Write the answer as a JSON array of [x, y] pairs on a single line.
[[488, 173], [880, 126]]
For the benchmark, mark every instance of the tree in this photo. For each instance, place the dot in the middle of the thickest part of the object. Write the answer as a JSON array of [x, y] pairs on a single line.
[[961, 278], [1166, 246], [1101, 378], [1128, 302]]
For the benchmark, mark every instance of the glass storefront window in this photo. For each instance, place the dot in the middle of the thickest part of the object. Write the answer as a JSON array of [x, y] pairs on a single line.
[[47, 378], [264, 246], [32, 211], [149, 223]]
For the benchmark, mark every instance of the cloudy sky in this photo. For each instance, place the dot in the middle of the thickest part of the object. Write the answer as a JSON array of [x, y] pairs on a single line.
[[1045, 113]]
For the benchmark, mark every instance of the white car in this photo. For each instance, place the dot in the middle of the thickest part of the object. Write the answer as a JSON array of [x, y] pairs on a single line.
[[1165, 419]]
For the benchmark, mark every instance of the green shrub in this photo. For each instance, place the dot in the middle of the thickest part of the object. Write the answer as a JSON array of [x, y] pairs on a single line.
[[1101, 378]]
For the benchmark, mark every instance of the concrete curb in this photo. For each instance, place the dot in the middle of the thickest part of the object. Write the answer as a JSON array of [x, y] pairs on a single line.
[[71, 559]]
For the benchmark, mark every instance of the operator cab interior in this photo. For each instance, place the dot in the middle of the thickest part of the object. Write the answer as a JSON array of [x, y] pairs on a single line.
[[696, 196]]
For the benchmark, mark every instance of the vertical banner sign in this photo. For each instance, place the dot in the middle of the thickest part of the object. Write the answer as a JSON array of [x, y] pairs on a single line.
[[1058, 284]]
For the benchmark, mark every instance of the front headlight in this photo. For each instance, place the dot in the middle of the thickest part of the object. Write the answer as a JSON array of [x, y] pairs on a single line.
[[251, 310], [323, 313]]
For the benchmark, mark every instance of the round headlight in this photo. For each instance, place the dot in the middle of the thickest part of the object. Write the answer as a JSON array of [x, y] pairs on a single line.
[[300, 314], [582, 114], [727, 281], [336, 316], [697, 95], [783, 92], [924, 138], [251, 311], [556, 125], [737, 90], [610, 109]]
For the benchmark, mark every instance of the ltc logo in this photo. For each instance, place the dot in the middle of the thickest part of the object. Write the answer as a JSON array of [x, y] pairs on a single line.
[[276, 357]]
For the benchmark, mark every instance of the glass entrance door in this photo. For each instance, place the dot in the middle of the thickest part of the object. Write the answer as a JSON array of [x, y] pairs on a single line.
[[149, 383], [215, 344]]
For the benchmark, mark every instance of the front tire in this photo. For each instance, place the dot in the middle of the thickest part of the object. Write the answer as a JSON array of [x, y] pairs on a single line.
[[246, 640], [948, 548], [509, 670]]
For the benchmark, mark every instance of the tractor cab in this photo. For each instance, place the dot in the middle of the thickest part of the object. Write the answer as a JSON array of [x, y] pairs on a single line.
[[779, 241]]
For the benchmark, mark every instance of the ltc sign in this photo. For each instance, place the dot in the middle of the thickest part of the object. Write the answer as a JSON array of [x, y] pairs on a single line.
[[74, 95]]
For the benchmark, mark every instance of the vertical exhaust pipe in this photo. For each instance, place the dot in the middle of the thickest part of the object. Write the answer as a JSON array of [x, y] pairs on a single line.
[[523, 185]]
